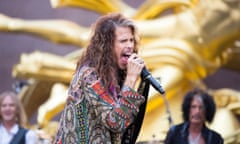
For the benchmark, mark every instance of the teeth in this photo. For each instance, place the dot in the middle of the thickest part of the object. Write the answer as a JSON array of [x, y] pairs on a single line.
[[128, 55]]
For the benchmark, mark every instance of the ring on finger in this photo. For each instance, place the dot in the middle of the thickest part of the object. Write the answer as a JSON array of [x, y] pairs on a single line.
[[140, 61]]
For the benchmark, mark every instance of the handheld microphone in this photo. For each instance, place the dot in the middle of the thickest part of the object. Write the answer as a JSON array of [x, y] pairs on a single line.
[[147, 76]]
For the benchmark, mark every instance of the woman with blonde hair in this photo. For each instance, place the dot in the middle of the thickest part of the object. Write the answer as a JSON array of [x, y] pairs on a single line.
[[13, 121]]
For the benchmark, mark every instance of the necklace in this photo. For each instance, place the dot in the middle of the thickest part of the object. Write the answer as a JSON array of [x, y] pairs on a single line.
[[194, 140]]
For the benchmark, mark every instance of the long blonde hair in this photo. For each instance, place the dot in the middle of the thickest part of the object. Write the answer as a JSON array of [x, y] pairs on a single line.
[[21, 117]]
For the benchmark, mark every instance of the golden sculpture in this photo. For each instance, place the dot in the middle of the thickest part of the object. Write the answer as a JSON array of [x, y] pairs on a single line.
[[183, 46]]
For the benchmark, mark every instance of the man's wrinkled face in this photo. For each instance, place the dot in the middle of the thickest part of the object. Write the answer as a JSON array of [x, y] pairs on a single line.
[[123, 45], [197, 111]]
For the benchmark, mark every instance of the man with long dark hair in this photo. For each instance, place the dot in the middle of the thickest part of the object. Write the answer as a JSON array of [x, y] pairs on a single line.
[[102, 101], [197, 107]]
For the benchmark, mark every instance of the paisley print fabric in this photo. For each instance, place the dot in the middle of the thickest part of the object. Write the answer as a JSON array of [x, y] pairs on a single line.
[[93, 115]]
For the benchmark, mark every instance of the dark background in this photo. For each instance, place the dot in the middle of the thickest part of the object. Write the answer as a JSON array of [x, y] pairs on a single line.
[[12, 44]]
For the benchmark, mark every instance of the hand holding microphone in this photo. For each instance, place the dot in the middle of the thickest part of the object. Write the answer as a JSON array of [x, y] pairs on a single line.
[[145, 74], [135, 64]]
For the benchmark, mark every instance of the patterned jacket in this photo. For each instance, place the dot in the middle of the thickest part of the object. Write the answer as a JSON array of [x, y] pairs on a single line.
[[93, 115]]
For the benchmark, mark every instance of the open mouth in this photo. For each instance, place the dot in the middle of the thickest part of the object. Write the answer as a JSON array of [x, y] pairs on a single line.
[[124, 57]]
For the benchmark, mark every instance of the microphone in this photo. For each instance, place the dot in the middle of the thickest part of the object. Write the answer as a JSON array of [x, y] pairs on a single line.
[[147, 76]]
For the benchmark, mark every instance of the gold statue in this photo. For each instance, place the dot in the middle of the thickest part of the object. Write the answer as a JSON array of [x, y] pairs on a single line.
[[182, 47]]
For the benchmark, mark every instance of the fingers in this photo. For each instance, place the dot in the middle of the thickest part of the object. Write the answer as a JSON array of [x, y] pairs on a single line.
[[136, 59], [135, 64]]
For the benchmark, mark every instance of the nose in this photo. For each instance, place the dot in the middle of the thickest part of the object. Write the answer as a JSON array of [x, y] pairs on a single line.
[[199, 109], [130, 44]]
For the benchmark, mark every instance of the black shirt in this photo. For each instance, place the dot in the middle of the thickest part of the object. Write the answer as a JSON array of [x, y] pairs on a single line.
[[178, 134]]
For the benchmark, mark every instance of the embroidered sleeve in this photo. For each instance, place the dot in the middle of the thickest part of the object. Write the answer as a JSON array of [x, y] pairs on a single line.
[[114, 114]]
